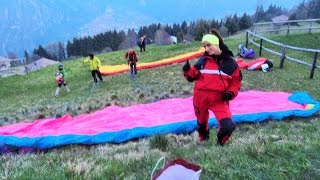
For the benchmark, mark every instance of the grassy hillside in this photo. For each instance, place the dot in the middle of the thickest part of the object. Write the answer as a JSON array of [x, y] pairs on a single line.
[[271, 150]]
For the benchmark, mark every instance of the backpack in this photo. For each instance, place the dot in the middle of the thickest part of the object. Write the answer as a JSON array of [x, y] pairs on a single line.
[[245, 52]]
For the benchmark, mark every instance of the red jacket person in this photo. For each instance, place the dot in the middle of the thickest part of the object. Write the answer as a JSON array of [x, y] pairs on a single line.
[[132, 59], [217, 81]]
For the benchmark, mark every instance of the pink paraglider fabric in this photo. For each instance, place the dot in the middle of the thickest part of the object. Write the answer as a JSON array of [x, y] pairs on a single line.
[[117, 124], [116, 118]]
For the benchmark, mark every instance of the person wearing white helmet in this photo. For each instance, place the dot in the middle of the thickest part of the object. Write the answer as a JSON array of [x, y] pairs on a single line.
[[61, 76]]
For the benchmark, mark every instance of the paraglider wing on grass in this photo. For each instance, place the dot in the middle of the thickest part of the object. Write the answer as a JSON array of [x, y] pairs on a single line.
[[115, 124]]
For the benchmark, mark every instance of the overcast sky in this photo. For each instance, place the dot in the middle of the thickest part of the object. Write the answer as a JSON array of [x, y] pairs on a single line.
[[175, 10]]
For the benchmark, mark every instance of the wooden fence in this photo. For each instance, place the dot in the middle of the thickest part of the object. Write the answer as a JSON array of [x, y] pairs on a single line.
[[293, 25], [250, 37]]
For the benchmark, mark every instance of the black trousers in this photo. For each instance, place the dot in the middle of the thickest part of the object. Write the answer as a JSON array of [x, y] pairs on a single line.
[[133, 68], [96, 73], [143, 46]]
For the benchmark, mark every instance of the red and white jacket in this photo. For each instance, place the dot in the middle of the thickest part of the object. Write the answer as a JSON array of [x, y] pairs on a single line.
[[216, 73]]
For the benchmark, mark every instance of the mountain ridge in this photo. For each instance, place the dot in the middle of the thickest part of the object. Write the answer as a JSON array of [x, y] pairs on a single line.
[[26, 24]]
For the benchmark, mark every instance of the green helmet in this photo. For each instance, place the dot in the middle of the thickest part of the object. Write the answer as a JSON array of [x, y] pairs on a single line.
[[60, 66]]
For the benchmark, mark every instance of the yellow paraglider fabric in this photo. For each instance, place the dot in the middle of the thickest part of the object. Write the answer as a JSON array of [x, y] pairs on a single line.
[[116, 69]]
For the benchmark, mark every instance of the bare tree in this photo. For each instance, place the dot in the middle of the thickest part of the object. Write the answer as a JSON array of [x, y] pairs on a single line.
[[162, 38], [53, 50], [130, 41], [61, 52]]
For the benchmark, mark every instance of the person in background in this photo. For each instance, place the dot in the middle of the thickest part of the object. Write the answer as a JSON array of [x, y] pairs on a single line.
[[142, 43], [217, 81], [132, 59], [61, 76], [95, 64]]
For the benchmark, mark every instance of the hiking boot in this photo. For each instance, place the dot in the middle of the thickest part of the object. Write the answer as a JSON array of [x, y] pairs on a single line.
[[203, 132], [222, 140], [225, 131], [203, 139]]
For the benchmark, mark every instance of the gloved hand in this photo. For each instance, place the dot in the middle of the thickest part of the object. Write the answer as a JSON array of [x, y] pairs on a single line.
[[227, 96], [186, 66], [200, 63]]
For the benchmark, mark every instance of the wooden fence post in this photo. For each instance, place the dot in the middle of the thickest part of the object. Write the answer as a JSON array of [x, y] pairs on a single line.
[[283, 56], [247, 37], [310, 27], [288, 29], [260, 49], [314, 65]]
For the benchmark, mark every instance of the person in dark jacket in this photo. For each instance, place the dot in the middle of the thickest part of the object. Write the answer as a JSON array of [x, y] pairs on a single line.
[[132, 59], [217, 81], [142, 43]]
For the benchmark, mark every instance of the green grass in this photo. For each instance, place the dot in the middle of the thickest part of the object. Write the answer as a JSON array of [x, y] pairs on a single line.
[[288, 149]]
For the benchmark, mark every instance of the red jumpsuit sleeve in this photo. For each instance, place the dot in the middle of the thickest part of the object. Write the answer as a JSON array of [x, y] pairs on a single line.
[[192, 74], [235, 82]]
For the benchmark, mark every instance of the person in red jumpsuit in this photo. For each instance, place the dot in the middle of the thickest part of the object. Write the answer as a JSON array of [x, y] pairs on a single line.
[[217, 81], [132, 59]]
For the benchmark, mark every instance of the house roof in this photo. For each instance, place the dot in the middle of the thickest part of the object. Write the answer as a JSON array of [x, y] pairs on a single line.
[[280, 18], [4, 59]]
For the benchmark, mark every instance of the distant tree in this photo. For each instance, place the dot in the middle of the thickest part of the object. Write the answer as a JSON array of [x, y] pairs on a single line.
[[184, 27], [27, 57], [245, 22], [273, 11], [223, 31], [167, 28], [35, 57], [175, 29], [259, 14], [188, 38], [192, 28], [152, 30], [143, 31], [293, 16], [313, 9], [116, 39], [231, 24], [214, 24], [201, 28], [41, 52], [12, 55], [302, 11], [130, 40], [180, 36], [61, 52], [162, 38], [53, 51], [69, 49]]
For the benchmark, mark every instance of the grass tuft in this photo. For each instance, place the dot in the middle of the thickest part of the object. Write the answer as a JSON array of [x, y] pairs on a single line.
[[159, 142]]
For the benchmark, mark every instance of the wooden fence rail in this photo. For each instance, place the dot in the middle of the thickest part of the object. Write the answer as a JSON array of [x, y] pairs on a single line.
[[284, 48]]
